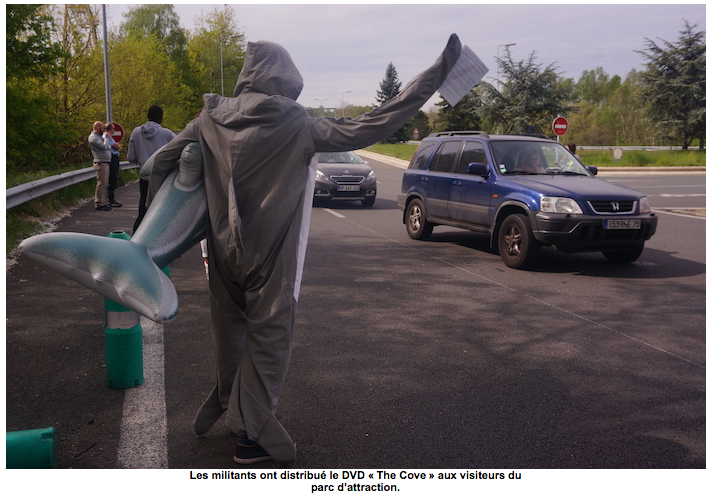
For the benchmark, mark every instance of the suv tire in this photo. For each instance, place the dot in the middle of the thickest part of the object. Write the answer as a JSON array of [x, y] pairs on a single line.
[[417, 226], [516, 244]]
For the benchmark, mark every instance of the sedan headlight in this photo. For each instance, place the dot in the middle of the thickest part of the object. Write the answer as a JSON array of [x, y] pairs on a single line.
[[559, 205], [645, 205]]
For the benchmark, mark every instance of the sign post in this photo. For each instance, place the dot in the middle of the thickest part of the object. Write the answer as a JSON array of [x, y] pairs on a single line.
[[560, 126]]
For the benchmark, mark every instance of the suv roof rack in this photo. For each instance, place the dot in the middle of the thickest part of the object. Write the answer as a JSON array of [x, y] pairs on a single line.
[[457, 133]]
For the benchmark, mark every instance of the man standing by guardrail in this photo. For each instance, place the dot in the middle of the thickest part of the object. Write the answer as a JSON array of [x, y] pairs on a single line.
[[101, 161], [114, 165], [144, 141]]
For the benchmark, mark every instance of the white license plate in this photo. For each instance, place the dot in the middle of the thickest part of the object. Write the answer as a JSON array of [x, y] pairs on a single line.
[[348, 188], [621, 224]]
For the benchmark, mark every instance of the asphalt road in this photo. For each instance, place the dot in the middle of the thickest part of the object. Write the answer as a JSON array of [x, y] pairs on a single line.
[[407, 354]]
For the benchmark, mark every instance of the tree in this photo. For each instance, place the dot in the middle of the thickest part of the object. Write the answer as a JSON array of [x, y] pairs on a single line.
[[531, 97], [78, 90], [29, 51], [31, 56], [419, 122], [464, 116], [158, 21], [390, 86], [207, 57], [595, 86], [134, 88], [161, 23], [675, 83], [609, 112]]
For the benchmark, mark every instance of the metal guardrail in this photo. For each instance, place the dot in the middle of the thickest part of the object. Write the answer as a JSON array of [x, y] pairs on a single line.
[[21, 194]]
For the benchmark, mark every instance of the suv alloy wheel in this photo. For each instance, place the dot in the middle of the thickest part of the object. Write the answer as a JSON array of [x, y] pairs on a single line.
[[516, 244]]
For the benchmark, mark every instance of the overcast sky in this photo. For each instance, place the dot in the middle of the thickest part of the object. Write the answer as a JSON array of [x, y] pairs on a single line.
[[342, 51]]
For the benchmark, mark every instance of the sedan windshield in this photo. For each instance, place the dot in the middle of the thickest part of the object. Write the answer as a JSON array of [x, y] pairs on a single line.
[[339, 157], [535, 158]]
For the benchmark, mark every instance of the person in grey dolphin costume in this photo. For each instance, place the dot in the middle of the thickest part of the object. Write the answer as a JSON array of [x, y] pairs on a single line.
[[257, 150]]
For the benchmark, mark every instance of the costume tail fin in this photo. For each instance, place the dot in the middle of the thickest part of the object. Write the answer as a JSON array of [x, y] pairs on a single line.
[[117, 269], [128, 271]]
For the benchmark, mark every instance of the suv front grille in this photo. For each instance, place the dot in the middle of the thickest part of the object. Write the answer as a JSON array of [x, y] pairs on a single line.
[[613, 207], [347, 179]]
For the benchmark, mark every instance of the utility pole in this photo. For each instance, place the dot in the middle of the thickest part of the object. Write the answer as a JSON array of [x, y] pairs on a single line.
[[108, 91]]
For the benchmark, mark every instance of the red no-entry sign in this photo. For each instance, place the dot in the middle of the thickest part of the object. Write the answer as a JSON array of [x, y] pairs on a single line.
[[118, 133], [560, 126]]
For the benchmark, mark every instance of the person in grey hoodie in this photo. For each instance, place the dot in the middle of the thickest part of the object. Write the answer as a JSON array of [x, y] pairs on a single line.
[[257, 149], [144, 141], [101, 161]]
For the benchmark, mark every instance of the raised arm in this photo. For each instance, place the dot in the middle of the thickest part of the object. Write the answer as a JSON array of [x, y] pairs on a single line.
[[331, 134]]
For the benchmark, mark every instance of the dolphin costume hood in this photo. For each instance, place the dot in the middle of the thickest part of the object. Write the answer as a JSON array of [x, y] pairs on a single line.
[[268, 68], [257, 149]]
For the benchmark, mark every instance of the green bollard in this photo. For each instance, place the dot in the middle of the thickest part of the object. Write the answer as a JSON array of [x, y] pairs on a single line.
[[123, 342], [33, 449]]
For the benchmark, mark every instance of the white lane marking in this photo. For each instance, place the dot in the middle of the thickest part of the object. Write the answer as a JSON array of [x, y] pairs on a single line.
[[666, 211], [143, 432], [331, 211]]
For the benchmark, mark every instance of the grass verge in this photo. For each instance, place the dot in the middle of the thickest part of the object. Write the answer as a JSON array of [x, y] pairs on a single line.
[[593, 157]]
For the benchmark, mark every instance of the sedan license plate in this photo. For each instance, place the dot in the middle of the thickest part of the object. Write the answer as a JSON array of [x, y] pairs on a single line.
[[348, 188], [621, 224]]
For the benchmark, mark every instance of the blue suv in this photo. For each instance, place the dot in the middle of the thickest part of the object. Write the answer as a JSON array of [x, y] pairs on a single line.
[[526, 191]]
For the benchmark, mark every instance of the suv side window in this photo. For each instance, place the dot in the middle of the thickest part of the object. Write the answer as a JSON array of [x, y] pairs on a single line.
[[445, 158], [473, 152], [422, 153]]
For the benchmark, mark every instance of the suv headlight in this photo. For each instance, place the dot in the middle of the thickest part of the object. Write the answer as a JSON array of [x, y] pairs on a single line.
[[321, 176], [559, 205], [371, 175], [645, 205]]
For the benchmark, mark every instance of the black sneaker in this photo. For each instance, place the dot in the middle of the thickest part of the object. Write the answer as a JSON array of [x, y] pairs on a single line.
[[115, 204], [106, 207], [246, 451]]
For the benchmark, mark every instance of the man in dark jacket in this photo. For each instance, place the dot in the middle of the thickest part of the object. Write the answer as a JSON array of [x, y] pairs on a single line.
[[144, 141], [257, 150]]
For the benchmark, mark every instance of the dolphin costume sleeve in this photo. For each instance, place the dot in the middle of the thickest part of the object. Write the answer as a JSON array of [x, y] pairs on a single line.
[[257, 150]]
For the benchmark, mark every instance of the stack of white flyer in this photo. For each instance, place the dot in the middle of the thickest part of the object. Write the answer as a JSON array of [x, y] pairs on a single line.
[[466, 74]]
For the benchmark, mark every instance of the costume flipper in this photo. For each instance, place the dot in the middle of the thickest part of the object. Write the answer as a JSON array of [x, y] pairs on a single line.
[[117, 269], [129, 271], [177, 218]]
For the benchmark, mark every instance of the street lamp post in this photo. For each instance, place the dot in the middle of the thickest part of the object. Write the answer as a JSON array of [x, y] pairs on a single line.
[[108, 91], [498, 63], [343, 102], [321, 105]]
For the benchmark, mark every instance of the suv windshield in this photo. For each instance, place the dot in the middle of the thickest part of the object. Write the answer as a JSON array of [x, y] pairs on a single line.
[[535, 158]]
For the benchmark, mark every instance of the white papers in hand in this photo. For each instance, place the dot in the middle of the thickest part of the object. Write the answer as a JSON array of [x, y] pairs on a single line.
[[466, 74]]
